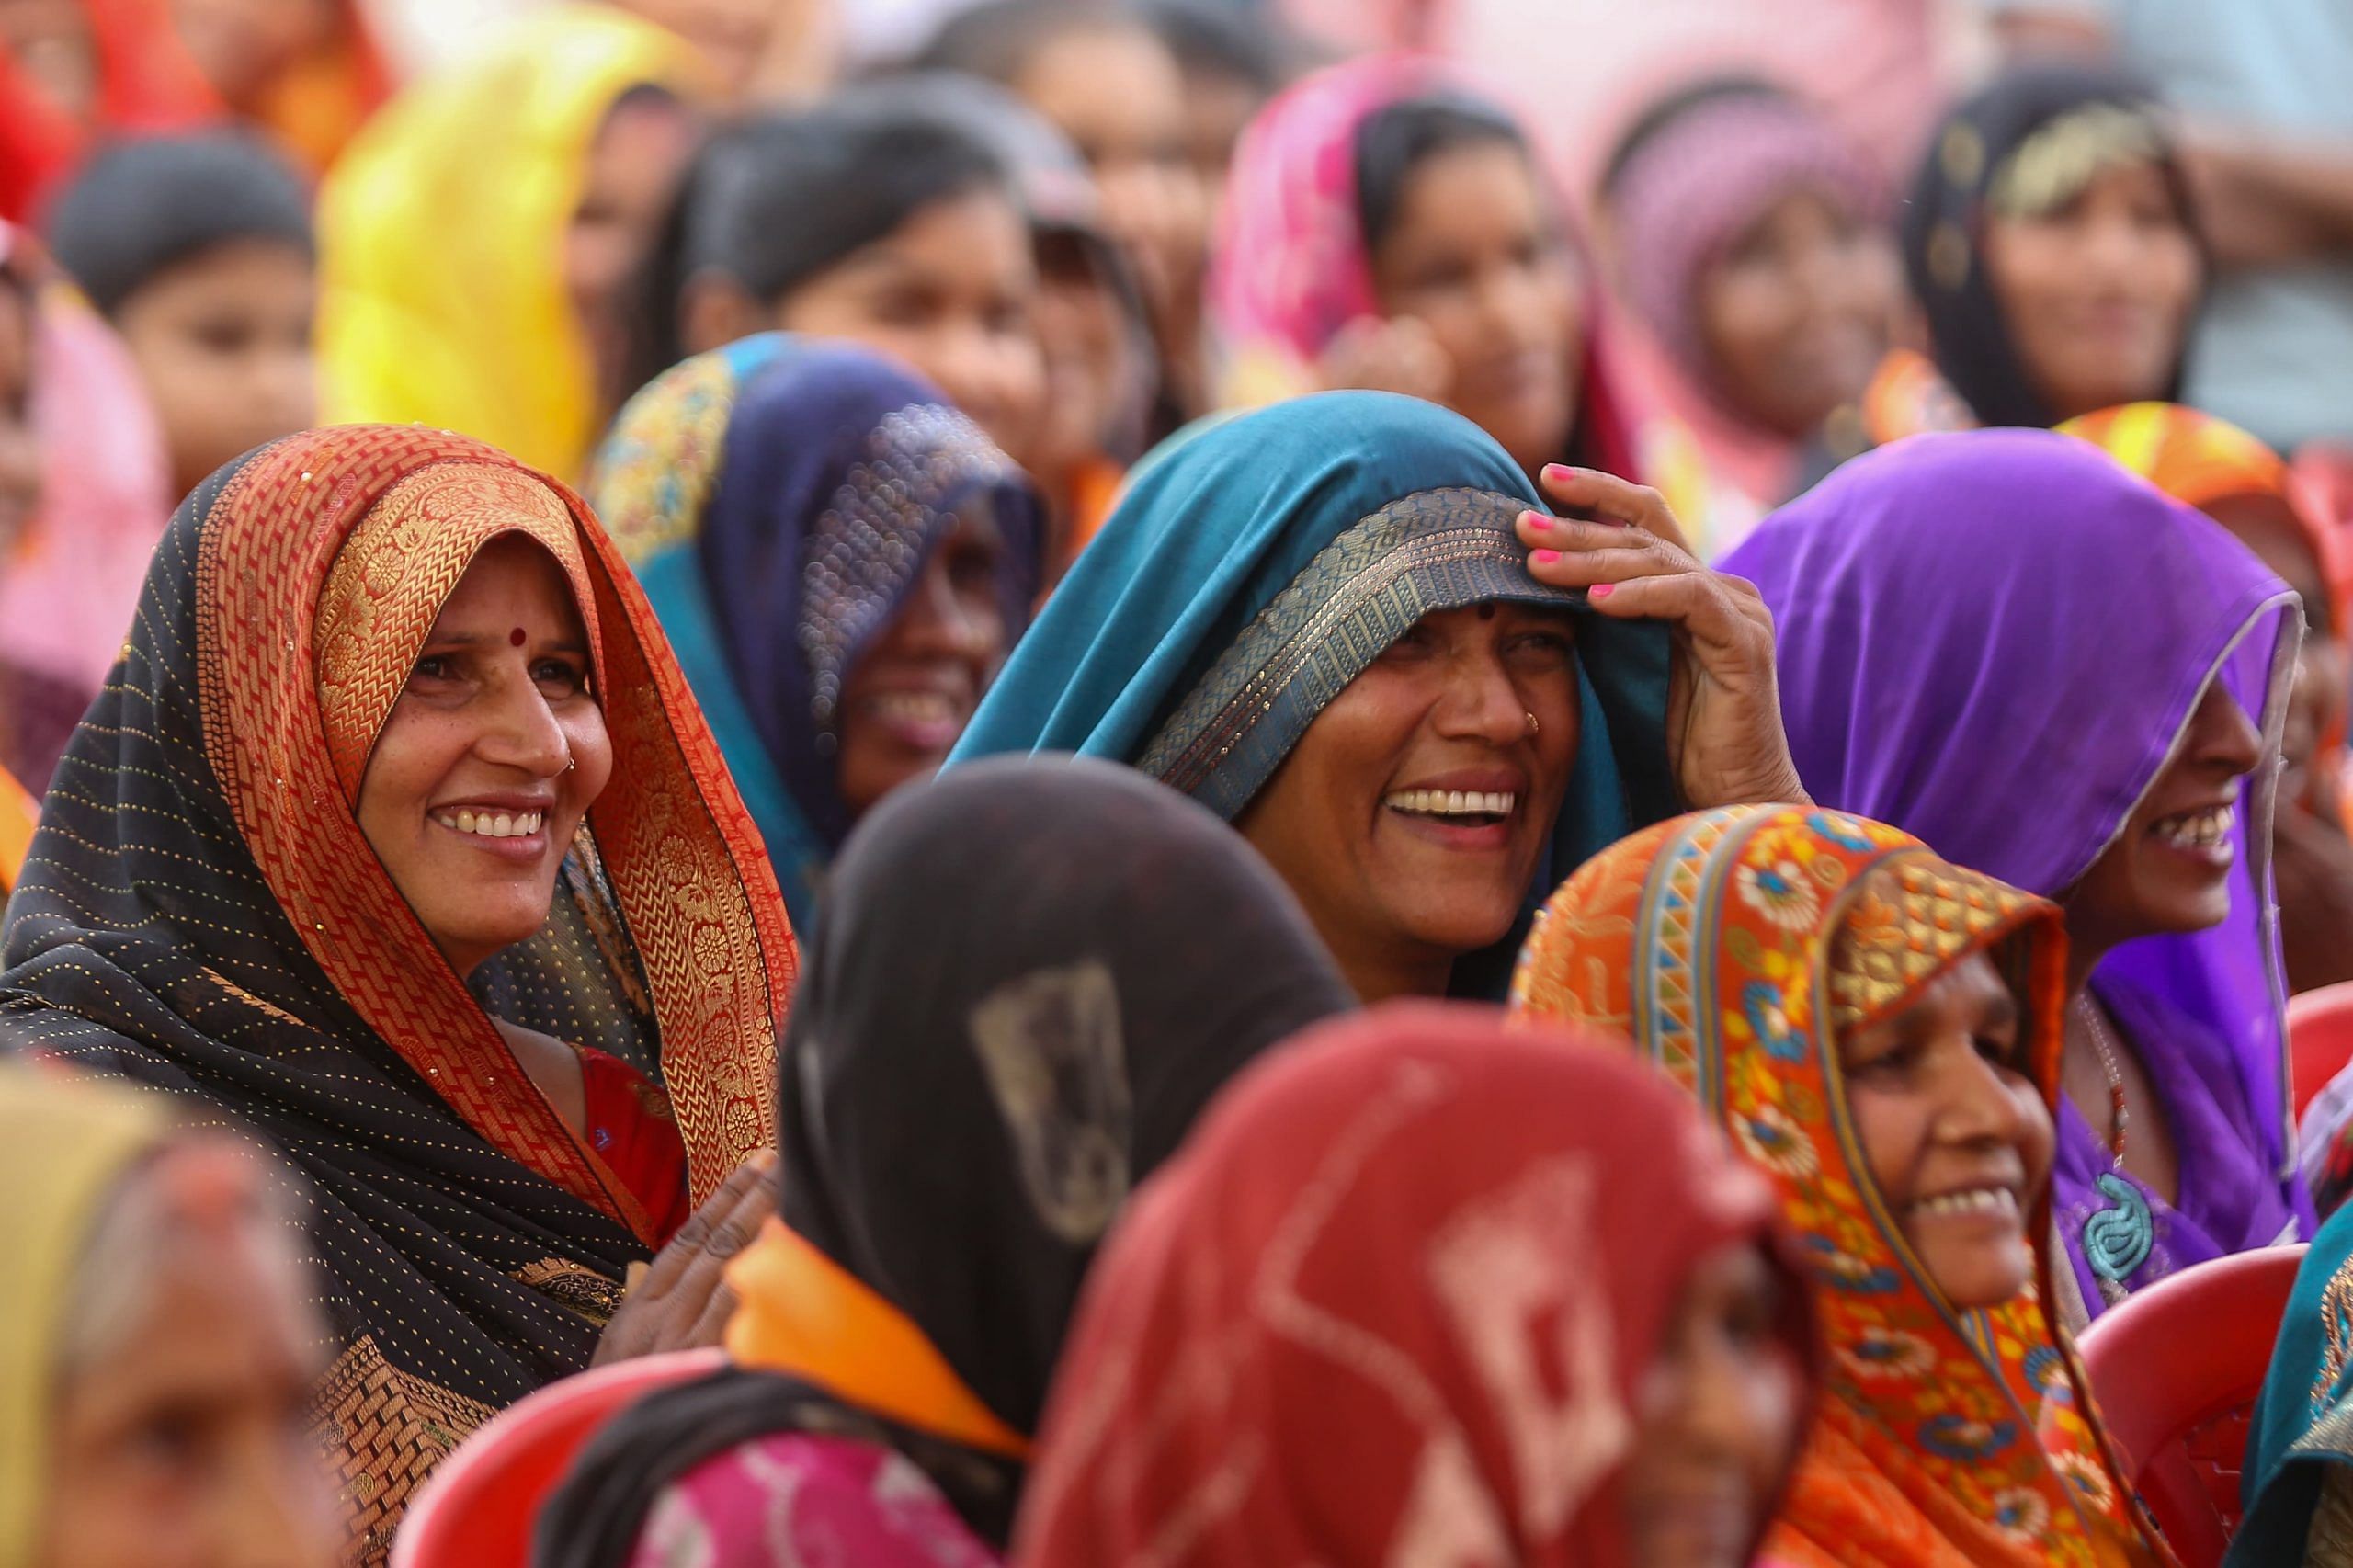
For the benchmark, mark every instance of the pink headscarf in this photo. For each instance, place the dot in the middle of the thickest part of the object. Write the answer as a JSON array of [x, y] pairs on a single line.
[[69, 586], [1291, 266]]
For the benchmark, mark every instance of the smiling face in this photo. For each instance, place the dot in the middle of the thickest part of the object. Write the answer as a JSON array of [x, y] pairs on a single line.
[[1798, 310], [1957, 1136], [949, 293], [1717, 1418], [492, 756], [2169, 869], [1475, 253], [1412, 815], [2097, 294], [908, 698]]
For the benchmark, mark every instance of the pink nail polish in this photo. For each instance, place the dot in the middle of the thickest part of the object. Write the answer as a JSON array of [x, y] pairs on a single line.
[[1544, 557], [1601, 590], [1558, 471]]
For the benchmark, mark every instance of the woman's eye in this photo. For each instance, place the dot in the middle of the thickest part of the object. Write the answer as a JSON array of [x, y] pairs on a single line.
[[2000, 1053], [170, 1441], [1412, 645], [972, 568], [435, 667], [1546, 649], [1895, 1061], [557, 676]]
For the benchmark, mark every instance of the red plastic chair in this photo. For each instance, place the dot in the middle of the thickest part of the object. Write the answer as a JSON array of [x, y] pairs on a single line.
[[478, 1509], [2320, 1039], [2175, 1368]]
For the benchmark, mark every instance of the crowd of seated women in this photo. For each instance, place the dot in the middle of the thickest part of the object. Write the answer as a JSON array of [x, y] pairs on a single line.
[[1218, 835]]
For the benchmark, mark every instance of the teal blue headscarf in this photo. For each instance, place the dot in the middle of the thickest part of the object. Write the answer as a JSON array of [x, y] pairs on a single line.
[[2303, 1420], [1256, 566]]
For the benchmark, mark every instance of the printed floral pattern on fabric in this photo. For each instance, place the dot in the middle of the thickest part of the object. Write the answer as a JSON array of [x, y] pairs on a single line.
[[1690, 938], [654, 477], [874, 538], [800, 1497]]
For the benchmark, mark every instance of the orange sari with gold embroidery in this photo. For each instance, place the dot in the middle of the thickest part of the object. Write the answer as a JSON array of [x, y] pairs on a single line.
[[203, 913]]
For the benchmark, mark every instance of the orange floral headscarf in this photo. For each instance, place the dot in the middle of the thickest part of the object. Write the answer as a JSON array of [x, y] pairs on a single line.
[[1733, 946]]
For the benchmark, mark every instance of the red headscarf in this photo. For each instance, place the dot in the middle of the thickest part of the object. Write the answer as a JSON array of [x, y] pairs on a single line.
[[1391, 1304]]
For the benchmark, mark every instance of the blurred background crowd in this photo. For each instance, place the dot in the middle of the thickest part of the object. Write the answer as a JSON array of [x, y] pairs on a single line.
[[1716, 248]]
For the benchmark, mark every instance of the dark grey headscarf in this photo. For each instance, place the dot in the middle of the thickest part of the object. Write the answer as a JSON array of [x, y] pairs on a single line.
[[1032, 976]]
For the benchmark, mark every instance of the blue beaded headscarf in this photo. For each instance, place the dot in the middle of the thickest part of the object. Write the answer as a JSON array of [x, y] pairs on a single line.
[[778, 499], [1260, 562]]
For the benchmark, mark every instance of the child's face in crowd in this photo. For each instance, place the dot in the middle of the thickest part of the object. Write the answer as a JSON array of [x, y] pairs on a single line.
[[222, 340]]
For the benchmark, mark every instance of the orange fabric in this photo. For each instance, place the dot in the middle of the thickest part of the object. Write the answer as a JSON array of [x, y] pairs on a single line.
[[800, 1313], [2198, 459], [675, 842], [18, 817], [1731, 947], [310, 107]]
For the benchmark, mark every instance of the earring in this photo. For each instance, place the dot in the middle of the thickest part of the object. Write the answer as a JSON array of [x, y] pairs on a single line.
[[1534, 729], [570, 762]]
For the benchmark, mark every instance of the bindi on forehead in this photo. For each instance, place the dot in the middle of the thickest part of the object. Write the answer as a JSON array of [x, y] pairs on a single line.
[[516, 637]]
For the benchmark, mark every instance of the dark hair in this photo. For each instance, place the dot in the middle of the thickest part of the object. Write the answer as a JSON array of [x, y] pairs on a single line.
[[144, 205], [1218, 37], [997, 40], [1395, 141], [1663, 112], [771, 203]]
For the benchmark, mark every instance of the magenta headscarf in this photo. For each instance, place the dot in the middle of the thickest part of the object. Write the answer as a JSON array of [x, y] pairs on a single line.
[[1292, 268]]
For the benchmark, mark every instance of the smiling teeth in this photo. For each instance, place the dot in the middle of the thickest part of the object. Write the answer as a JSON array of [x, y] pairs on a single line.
[[1453, 802], [919, 706], [2197, 830], [1980, 1200], [493, 824]]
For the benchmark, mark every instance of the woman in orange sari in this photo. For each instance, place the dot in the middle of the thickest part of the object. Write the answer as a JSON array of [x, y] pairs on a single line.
[[1879, 1032], [398, 837]]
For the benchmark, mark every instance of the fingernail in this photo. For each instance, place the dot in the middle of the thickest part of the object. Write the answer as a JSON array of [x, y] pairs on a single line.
[[765, 1159], [1538, 521], [1559, 470], [1543, 557], [1601, 590]]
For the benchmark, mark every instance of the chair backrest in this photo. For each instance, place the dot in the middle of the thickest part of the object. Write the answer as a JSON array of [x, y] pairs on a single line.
[[2320, 1039], [2176, 1369], [478, 1509]]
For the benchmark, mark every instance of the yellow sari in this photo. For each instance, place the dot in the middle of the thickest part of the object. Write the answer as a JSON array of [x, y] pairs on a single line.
[[441, 235]]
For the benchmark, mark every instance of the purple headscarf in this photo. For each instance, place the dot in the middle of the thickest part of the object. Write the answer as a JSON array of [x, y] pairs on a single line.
[[1993, 641]]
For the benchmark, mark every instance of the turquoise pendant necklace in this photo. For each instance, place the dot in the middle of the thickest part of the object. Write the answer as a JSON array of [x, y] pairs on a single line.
[[2118, 1236]]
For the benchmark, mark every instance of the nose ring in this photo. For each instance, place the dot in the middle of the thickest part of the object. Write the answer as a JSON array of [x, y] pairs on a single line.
[[1534, 729], [570, 762]]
